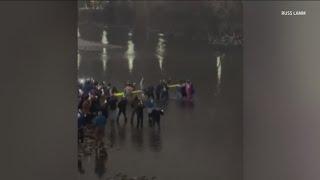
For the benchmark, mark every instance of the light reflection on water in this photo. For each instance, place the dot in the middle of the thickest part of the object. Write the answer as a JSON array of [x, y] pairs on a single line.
[[219, 71], [78, 59], [130, 149], [130, 54], [104, 38], [160, 50], [104, 58]]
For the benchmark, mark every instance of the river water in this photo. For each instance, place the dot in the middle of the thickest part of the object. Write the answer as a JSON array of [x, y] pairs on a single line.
[[199, 140]]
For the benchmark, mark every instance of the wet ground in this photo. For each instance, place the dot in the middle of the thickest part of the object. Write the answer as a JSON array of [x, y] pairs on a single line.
[[199, 140]]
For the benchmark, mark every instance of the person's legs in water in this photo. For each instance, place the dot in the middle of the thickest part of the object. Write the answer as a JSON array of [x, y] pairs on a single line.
[[118, 117], [113, 114], [158, 93], [141, 117], [178, 95], [150, 119], [101, 135], [140, 120], [88, 119], [125, 116], [167, 94], [188, 94], [122, 111], [157, 121], [166, 97], [132, 115], [80, 167], [80, 135]]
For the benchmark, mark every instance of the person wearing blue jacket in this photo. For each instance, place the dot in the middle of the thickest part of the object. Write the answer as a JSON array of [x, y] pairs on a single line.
[[150, 105]]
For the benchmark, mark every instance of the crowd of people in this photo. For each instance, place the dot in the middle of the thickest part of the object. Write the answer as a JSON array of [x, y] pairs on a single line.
[[99, 102]]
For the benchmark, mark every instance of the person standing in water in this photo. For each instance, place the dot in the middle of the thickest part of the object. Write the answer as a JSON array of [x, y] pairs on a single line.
[[156, 116], [165, 91], [122, 105], [112, 101], [150, 104], [134, 106], [139, 112], [149, 91], [179, 90], [158, 90], [189, 90], [100, 123]]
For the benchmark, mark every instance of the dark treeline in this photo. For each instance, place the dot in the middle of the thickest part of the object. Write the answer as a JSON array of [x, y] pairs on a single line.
[[198, 20]]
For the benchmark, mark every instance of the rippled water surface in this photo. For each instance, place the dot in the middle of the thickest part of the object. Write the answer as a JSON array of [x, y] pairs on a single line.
[[199, 140]]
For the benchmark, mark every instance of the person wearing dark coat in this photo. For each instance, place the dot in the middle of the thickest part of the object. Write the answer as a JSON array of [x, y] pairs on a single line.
[[122, 105], [150, 92], [112, 103], [156, 116], [104, 110], [134, 105], [139, 112], [159, 88], [164, 92]]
